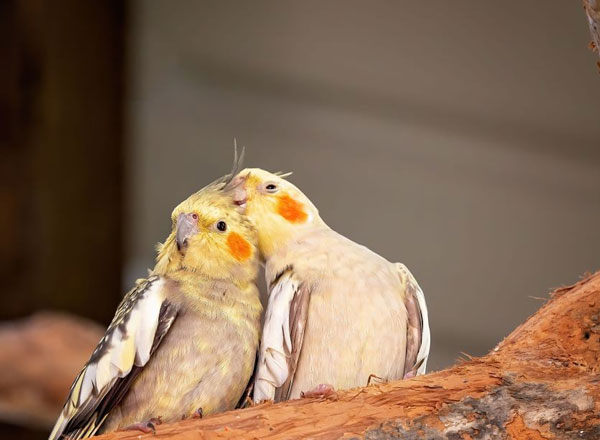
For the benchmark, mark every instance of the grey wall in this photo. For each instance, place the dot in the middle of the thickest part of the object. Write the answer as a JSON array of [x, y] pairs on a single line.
[[461, 138]]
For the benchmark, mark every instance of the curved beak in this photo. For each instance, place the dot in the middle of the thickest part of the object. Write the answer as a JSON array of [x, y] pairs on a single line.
[[239, 192], [187, 225]]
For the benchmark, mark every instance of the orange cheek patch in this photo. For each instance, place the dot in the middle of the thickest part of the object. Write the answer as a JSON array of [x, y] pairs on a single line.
[[291, 210], [238, 246]]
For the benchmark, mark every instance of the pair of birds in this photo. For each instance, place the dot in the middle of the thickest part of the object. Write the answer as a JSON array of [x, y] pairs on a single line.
[[183, 342]]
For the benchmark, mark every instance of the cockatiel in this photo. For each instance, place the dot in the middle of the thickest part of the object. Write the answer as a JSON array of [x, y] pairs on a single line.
[[183, 342], [337, 312]]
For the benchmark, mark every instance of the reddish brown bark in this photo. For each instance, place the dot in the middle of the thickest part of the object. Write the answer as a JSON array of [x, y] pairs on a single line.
[[541, 382]]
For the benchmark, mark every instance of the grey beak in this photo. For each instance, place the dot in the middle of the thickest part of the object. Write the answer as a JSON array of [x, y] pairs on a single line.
[[239, 193], [187, 226]]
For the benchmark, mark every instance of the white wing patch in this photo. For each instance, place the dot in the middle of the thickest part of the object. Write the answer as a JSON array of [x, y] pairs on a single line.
[[426, 336], [276, 345], [128, 341], [144, 336]]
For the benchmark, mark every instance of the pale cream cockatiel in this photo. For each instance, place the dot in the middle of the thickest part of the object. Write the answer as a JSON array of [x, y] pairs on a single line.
[[183, 342], [337, 312]]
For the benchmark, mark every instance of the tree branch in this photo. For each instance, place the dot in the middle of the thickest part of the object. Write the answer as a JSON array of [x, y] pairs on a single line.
[[541, 382]]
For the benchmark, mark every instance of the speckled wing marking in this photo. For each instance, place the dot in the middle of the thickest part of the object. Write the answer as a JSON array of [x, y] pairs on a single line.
[[418, 337], [142, 320], [283, 333]]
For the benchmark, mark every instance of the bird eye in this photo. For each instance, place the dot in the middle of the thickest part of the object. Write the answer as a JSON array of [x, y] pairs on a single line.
[[222, 226], [271, 187]]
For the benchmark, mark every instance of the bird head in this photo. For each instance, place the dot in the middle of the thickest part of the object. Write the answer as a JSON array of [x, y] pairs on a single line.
[[210, 236], [278, 209]]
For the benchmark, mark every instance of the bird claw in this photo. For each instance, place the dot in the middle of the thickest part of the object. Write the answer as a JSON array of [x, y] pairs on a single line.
[[321, 391], [373, 378], [146, 427], [248, 403]]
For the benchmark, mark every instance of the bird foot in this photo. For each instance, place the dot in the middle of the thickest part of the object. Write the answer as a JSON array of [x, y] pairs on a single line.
[[374, 378], [410, 374], [321, 391], [248, 403], [145, 427]]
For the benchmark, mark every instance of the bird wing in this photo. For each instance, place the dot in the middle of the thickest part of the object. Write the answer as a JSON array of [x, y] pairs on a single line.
[[283, 333], [140, 324], [418, 337]]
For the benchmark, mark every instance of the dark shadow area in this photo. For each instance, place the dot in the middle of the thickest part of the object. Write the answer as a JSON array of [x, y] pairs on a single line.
[[61, 178]]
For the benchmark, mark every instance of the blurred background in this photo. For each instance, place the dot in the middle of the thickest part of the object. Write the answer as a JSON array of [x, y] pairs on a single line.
[[460, 138]]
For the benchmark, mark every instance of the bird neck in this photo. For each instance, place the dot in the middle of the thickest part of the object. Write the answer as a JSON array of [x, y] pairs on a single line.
[[277, 239], [240, 278]]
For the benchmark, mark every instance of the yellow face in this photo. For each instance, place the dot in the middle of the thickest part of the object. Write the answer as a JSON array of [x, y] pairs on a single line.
[[210, 236], [278, 209]]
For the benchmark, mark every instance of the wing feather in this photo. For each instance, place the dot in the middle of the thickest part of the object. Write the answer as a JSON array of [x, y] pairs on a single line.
[[297, 324], [418, 336], [283, 333], [141, 321], [145, 333]]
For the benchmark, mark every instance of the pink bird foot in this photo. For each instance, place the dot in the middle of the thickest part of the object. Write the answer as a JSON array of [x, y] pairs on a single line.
[[321, 391], [145, 427]]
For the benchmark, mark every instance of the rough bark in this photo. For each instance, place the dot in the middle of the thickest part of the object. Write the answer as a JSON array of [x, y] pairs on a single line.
[[541, 382]]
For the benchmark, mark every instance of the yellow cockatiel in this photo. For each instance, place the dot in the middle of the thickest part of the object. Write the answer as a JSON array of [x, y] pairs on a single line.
[[183, 342], [337, 312]]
